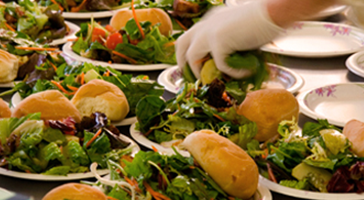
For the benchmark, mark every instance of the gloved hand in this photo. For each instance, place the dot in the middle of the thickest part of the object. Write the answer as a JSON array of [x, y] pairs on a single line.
[[225, 30]]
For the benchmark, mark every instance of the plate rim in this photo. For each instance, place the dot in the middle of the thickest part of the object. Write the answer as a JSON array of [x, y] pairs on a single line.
[[165, 74], [308, 112], [68, 177], [275, 187], [88, 15], [73, 30], [125, 67], [352, 64], [125, 122], [316, 24]]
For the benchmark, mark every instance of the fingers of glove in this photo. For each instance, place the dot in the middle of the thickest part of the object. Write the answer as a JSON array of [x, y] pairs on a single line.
[[182, 45], [197, 50]]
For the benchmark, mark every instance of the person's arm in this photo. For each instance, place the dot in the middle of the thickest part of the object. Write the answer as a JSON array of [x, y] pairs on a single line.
[[285, 12]]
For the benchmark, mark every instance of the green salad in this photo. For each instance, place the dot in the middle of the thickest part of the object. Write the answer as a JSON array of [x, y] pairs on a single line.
[[76, 6], [151, 175], [59, 147], [41, 24], [129, 45]]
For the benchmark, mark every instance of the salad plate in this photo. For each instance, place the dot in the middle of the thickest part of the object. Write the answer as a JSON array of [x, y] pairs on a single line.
[[338, 103], [71, 176], [73, 29], [67, 49], [280, 77], [304, 194], [16, 99], [88, 15], [355, 63], [9, 84], [317, 39], [141, 139]]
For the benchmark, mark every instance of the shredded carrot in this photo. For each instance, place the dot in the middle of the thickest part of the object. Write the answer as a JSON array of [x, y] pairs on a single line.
[[149, 132], [60, 7], [79, 7], [192, 167], [270, 173], [72, 88], [72, 39], [94, 137], [110, 62], [28, 171], [154, 149], [9, 27], [54, 67], [181, 25], [82, 78], [168, 44], [111, 198], [60, 87], [265, 155], [155, 194], [145, 77], [37, 48], [125, 57], [136, 19], [107, 73], [202, 60], [231, 198], [133, 183], [218, 117]]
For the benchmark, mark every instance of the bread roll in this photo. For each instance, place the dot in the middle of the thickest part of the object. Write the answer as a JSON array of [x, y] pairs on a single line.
[[154, 15], [267, 108], [52, 105], [229, 165], [101, 96], [75, 191], [9, 65], [5, 111], [354, 131]]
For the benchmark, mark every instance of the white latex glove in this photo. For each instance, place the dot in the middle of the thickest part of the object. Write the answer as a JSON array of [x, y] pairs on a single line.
[[225, 30]]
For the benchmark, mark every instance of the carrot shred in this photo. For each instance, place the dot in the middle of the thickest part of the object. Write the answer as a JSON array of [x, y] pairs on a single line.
[[168, 44], [270, 173], [154, 149], [231, 198], [79, 7], [265, 155], [149, 132], [72, 88], [145, 77], [218, 117], [110, 62], [37, 48], [54, 67], [60, 7], [60, 87], [111, 198], [181, 25], [72, 39], [202, 60], [125, 57], [136, 19], [155, 194], [82, 78], [94, 137], [9, 27], [133, 183], [107, 73], [28, 171], [192, 167]]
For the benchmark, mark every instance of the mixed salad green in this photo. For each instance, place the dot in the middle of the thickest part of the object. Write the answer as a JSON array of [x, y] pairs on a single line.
[[183, 13], [318, 159], [84, 5], [41, 24], [60, 147], [152, 175], [129, 45]]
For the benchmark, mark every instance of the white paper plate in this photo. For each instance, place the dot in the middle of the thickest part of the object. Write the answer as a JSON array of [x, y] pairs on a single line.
[[71, 176], [88, 15], [332, 10], [304, 194], [67, 49], [73, 29], [9, 84], [16, 99], [280, 77], [317, 39], [355, 63], [338, 103]]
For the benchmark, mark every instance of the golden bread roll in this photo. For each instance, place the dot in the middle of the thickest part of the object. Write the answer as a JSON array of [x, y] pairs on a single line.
[[101, 96], [75, 191], [228, 165], [154, 15], [5, 111], [9, 65], [267, 108], [52, 105], [354, 131]]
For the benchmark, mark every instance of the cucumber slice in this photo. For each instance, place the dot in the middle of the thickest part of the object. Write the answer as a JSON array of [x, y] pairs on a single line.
[[91, 74], [318, 177], [188, 74]]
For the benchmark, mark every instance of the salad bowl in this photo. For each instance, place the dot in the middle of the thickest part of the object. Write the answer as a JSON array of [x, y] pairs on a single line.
[[73, 29]]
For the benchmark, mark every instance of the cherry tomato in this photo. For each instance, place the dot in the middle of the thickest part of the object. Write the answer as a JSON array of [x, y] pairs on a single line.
[[113, 40], [96, 34]]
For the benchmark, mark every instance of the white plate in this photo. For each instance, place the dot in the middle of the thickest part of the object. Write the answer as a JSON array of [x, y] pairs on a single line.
[[73, 29], [9, 84], [71, 176], [355, 63], [304, 194], [317, 39], [280, 77], [338, 103], [88, 15], [332, 10], [16, 99], [141, 139], [67, 49]]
